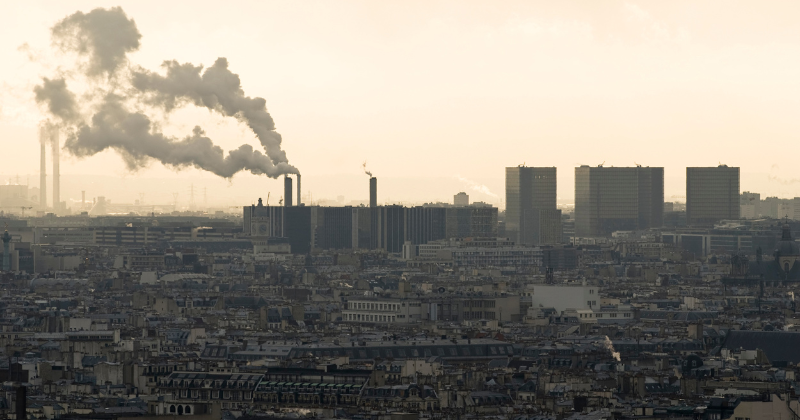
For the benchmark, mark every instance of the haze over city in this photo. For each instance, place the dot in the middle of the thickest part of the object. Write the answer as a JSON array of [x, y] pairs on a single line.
[[448, 92], [399, 210]]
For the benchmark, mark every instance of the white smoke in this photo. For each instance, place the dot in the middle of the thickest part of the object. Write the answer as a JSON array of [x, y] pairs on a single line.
[[610, 347], [119, 98], [475, 186]]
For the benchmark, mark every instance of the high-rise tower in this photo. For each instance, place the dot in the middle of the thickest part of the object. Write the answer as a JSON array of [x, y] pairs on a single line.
[[612, 199], [532, 216], [712, 194]]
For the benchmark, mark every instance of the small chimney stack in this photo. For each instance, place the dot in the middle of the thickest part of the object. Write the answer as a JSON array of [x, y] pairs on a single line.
[[373, 192], [287, 191]]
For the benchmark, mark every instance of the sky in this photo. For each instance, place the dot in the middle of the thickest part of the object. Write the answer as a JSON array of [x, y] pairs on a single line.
[[440, 96]]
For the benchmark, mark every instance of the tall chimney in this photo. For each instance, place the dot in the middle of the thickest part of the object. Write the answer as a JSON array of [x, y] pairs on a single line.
[[43, 167], [83, 200], [373, 192], [56, 172], [287, 191], [299, 200]]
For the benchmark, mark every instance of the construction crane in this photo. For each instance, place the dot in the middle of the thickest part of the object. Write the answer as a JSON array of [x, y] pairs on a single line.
[[23, 210]]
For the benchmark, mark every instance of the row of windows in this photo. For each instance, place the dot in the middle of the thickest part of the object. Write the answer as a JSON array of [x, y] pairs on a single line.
[[377, 306], [450, 351], [371, 317]]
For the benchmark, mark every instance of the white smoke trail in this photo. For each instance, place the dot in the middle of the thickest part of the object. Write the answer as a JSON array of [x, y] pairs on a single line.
[[475, 186]]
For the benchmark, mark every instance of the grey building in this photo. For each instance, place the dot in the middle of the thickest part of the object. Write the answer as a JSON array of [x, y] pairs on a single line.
[[532, 217], [712, 194], [612, 199]]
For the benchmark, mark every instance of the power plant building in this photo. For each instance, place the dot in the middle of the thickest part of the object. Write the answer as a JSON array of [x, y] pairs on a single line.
[[712, 194], [532, 216], [307, 228], [617, 199]]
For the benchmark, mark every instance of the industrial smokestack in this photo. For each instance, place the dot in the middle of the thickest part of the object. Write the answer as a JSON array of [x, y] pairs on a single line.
[[373, 192], [299, 200], [56, 144], [83, 200], [43, 167], [287, 191]]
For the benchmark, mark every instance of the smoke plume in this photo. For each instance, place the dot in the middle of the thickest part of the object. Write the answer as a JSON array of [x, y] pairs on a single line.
[[474, 186], [59, 101], [102, 38], [47, 131], [610, 347], [132, 134], [369, 174], [217, 89]]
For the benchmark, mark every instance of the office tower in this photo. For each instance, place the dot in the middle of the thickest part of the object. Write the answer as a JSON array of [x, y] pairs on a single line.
[[712, 194], [461, 199], [612, 199], [531, 214]]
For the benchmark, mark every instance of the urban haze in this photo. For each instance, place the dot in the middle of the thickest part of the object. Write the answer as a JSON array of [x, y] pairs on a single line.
[[416, 210]]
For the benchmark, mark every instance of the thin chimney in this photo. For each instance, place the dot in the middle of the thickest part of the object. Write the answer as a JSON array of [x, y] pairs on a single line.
[[43, 167], [299, 200], [56, 171]]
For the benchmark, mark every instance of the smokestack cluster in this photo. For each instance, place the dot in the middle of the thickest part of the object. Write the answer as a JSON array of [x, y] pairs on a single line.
[[287, 191], [118, 115]]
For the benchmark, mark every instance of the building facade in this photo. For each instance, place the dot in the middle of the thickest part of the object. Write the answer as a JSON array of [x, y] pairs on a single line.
[[612, 199], [712, 194], [532, 217]]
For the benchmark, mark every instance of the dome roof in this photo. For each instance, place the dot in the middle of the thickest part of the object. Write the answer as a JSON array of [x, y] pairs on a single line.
[[787, 246]]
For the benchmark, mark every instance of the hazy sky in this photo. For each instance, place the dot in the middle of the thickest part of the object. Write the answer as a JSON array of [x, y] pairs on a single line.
[[434, 94]]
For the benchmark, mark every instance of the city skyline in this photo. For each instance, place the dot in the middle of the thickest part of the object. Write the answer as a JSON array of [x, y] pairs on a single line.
[[525, 113]]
